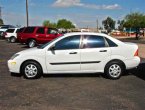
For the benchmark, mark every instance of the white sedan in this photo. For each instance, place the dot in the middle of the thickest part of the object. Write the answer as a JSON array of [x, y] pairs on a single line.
[[82, 52]]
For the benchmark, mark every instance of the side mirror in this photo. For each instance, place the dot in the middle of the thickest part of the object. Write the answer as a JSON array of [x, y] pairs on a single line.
[[52, 48]]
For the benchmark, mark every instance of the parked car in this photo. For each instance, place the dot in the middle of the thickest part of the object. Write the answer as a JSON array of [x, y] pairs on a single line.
[[82, 52], [37, 35], [19, 32], [11, 34], [3, 28]]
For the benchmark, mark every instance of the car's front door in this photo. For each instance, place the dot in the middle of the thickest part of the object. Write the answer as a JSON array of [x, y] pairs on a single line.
[[94, 53], [65, 55]]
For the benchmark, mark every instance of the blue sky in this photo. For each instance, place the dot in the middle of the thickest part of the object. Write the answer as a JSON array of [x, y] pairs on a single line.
[[83, 13]]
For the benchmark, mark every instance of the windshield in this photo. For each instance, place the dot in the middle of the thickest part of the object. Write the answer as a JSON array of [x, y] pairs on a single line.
[[44, 45]]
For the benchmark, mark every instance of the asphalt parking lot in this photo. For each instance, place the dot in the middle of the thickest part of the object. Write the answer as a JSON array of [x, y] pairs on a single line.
[[71, 92]]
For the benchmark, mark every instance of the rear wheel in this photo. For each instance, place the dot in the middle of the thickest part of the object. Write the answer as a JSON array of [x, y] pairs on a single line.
[[31, 70], [114, 70], [31, 43], [12, 39]]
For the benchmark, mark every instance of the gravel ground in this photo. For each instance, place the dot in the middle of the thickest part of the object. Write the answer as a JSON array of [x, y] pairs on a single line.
[[71, 92]]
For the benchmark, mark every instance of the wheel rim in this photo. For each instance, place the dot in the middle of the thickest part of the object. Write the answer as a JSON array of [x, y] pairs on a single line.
[[31, 43], [115, 70], [12, 39], [31, 70]]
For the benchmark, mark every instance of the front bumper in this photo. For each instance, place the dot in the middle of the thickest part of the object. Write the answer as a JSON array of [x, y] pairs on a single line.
[[13, 66]]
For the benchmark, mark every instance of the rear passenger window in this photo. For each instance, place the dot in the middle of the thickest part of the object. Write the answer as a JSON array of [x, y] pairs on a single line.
[[10, 30], [92, 41], [29, 30], [40, 31], [111, 43]]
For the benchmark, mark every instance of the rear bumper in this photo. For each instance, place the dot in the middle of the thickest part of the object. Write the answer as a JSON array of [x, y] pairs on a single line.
[[132, 63]]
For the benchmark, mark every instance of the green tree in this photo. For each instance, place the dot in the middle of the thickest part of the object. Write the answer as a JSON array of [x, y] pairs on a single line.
[[1, 22], [109, 24], [135, 20], [66, 24], [47, 23]]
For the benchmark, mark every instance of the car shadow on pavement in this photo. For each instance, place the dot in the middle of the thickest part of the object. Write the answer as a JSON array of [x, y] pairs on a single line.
[[139, 71], [72, 75]]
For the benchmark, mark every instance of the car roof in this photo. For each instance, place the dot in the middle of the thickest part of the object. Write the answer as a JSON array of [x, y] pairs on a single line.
[[39, 27], [86, 33], [93, 33], [14, 28], [11, 26]]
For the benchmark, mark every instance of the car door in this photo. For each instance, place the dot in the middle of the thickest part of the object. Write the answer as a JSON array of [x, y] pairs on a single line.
[[94, 53], [40, 35], [64, 55]]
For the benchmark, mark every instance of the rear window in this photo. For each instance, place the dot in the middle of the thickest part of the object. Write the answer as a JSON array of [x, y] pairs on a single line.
[[10, 30], [29, 30], [111, 43]]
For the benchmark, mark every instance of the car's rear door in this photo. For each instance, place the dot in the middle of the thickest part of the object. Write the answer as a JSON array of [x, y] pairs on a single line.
[[94, 53], [40, 35]]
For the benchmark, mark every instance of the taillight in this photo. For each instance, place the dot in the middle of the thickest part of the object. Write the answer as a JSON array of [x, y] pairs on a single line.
[[4, 33], [136, 53]]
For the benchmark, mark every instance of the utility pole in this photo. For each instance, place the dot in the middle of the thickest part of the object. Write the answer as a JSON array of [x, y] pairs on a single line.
[[97, 25], [27, 14], [0, 12]]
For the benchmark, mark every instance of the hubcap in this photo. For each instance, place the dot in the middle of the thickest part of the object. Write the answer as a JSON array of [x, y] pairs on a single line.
[[31, 71], [115, 70], [31, 44], [13, 40]]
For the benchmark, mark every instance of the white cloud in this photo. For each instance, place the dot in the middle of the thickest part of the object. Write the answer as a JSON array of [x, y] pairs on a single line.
[[66, 3], [71, 3]]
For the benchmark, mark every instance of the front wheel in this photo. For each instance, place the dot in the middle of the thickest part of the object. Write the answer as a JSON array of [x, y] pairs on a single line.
[[114, 70], [31, 70], [31, 43]]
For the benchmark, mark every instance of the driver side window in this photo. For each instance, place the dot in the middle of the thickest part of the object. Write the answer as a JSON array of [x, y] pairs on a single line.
[[71, 42]]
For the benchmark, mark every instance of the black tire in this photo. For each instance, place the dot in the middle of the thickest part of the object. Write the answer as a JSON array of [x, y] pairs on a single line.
[[114, 70], [12, 39], [31, 70], [31, 43]]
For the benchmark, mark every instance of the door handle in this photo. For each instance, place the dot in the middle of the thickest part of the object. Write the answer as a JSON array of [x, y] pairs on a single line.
[[73, 53], [103, 51], [37, 35]]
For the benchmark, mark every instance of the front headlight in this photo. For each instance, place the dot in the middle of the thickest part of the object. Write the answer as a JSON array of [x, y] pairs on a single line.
[[14, 56]]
